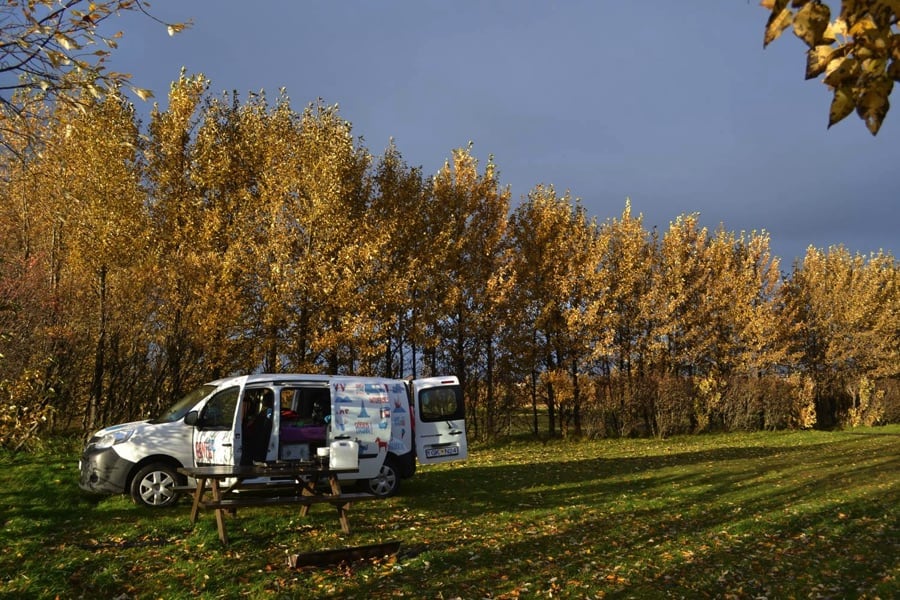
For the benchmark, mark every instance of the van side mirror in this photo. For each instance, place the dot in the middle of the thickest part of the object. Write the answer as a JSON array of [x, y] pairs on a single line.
[[192, 418]]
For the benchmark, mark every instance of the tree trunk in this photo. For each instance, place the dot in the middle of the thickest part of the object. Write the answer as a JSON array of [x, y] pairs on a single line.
[[96, 396], [551, 410], [576, 399], [490, 420]]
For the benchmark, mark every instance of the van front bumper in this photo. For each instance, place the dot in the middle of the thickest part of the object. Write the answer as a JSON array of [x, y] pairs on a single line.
[[103, 471]]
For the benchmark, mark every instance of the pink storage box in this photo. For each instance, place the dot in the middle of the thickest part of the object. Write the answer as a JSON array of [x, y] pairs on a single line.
[[306, 433]]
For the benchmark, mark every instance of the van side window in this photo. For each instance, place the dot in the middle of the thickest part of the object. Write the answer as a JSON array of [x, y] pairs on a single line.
[[303, 419], [219, 411], [441, 404]]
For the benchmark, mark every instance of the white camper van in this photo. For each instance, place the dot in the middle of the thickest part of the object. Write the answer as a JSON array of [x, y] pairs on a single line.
[[271, 418]]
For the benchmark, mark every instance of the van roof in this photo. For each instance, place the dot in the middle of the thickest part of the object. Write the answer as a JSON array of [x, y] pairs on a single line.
[[284, 378]]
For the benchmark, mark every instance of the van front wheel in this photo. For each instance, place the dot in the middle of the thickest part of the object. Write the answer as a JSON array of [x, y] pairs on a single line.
[[154, 486], [387, 482]]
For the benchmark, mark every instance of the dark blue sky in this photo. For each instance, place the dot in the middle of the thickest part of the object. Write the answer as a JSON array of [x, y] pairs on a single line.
[[674, 105]]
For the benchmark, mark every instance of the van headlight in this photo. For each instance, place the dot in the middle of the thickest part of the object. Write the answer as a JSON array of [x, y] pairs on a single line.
[[113, 438]]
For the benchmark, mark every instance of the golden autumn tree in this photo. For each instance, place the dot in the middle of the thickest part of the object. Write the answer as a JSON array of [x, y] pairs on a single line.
[[305, 261], [686, 315], [29, 371], [621, 315], [739, 318], [882, 338], [846, 337], [467, 213], [682, 300], [263, 214], [399, 197], [177, 214], [714, 322], [743, 279], [857, 48], [552, 265], [584, 249], [755, 285], [335, 248], [258, 236], [227, 158], [94, 179], [268, 247]]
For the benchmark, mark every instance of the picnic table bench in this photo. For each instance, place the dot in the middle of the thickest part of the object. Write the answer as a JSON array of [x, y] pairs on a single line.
[[232, 487]]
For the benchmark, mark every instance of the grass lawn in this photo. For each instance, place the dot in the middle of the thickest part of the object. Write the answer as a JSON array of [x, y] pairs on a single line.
[[766, 515]]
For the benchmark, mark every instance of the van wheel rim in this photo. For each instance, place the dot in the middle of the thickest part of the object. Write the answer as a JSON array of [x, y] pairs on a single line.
[[384, 483], [157, 488]]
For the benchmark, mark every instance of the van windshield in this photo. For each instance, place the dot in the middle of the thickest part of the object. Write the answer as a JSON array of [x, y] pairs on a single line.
[[177, 411]]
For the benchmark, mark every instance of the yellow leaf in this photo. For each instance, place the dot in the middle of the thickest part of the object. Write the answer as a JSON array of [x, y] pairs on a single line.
[[65, 41], [838, 27], [840, 70], [873, 67], [831, 33], [873, 103], [142, 93], [175, 28], [811, 22], [841, 105], [817, 60], [862, 26], [777, 23]]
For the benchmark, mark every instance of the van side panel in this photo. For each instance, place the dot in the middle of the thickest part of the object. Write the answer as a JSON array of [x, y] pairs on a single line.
[[360, 409]]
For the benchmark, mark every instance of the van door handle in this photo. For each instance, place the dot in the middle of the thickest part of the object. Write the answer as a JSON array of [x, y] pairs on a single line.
[[455, 432], [229, 445]]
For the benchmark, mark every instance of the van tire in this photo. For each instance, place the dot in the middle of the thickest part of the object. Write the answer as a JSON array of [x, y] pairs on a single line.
[[387, 482], [154, 486]]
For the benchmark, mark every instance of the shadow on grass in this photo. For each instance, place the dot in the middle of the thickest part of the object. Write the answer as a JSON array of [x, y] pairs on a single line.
[[762, 519], [758, 519]]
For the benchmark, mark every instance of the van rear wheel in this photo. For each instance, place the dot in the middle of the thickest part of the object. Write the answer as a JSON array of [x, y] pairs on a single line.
[[154, 486], [387, 482]]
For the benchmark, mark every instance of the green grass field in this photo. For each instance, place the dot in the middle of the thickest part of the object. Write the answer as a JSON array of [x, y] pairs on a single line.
[[765, 515]]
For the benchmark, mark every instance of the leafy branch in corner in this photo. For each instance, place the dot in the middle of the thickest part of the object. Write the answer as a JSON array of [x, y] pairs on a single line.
[[858, 51], [52, 50]]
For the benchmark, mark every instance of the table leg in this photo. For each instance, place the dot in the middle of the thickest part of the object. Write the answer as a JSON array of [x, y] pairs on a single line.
[[335, 484], [220, 517], [341, 508], [307, 488], [198, 495]]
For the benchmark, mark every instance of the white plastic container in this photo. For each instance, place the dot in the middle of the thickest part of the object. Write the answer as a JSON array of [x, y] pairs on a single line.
[[344, 455]]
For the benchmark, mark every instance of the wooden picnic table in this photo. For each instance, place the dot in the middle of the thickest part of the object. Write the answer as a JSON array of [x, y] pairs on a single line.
[[297, 483]]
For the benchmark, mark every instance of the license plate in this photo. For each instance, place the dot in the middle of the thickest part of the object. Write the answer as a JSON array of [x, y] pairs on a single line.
[[442, 451]]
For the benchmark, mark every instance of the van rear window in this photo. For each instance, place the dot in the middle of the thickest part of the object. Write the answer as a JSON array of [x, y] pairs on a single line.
[[441, 404]]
